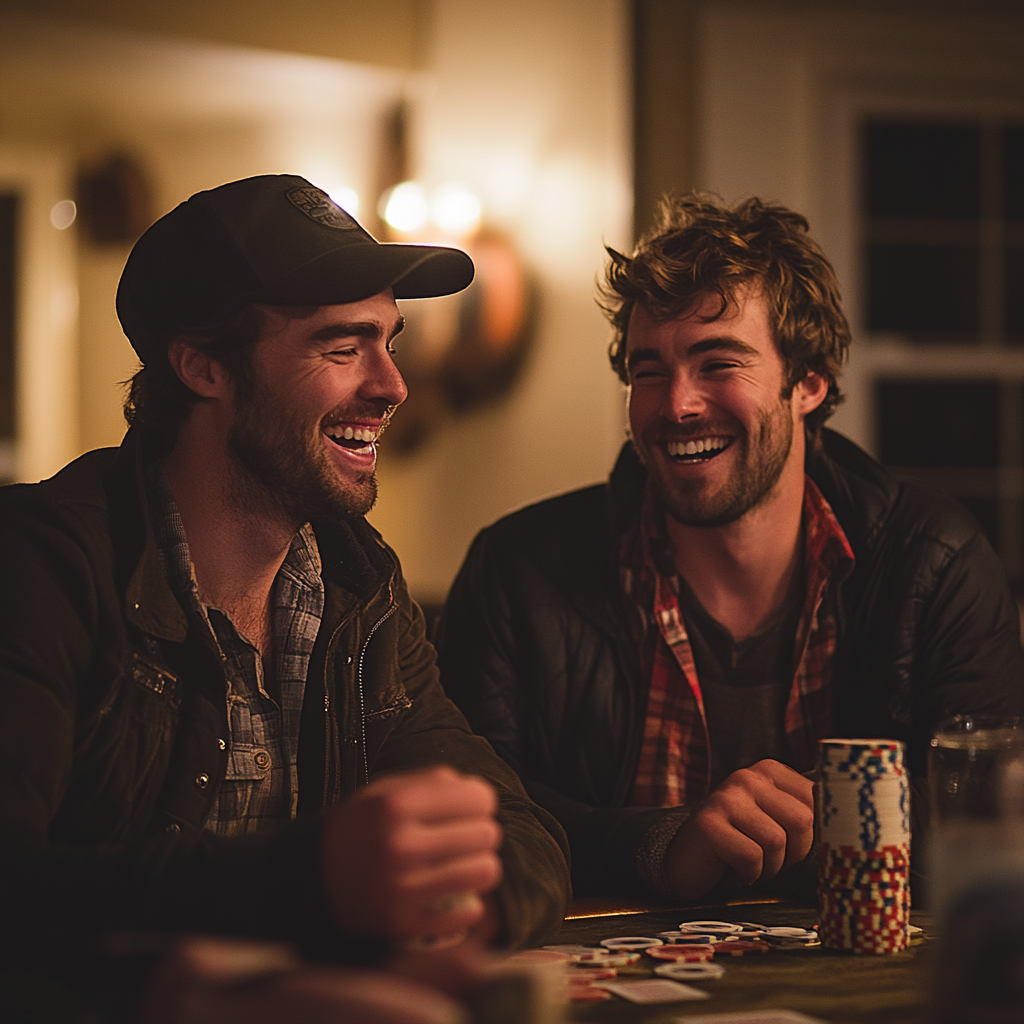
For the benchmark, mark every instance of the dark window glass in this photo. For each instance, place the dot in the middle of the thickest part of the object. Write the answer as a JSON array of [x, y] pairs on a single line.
[[1013, 295], [938, 423], [922, 170], [924, 291], [8, 245], [986, 511], [1013, 172]]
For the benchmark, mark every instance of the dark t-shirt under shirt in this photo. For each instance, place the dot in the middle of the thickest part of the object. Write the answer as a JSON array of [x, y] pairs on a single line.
[[745, 683]]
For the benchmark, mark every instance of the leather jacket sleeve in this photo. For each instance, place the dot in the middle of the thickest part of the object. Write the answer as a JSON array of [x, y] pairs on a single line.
[[544, 684], [534, 892]]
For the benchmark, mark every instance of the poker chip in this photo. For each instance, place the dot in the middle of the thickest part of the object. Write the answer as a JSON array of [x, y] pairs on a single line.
[[741, 947], [682, 953], [599, 956], [686, 938], [690, 972], [630, 942], [541, 956], [710, 927], [790, 933]]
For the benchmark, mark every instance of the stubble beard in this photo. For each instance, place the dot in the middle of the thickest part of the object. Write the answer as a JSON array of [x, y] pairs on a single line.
[[762, 457], [284, 471]]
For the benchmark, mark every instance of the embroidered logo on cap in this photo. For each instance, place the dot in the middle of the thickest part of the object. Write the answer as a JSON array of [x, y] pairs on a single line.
[[317, 205]]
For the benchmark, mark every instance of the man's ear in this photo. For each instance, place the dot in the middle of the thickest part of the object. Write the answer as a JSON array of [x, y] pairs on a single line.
[[198, 371], [810, 393]]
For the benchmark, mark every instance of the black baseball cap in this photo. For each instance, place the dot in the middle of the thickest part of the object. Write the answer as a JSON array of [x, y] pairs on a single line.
[[274, 239]]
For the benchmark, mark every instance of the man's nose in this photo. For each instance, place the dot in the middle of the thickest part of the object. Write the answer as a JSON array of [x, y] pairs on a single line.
[[384, 382], [683, 399]]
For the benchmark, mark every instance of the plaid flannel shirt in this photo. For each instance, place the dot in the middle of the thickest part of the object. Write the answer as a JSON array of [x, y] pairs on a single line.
[[675, 761], [261, 783]]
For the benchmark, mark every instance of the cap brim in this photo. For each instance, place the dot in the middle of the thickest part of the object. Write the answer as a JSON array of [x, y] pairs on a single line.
[[355, 272]]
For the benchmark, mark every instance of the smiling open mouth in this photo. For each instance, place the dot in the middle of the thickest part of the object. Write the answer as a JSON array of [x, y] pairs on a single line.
[[354, 439], [697, 449]]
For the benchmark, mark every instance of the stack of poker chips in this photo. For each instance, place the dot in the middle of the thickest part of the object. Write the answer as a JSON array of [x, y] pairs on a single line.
[[864, 846]]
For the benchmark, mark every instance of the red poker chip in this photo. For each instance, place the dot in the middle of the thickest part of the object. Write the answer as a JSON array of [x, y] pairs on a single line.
[[683, 954], [741, 947]]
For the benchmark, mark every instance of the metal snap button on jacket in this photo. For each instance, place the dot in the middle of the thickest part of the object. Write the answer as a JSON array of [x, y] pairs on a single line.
[[262, 759], [202, 780]]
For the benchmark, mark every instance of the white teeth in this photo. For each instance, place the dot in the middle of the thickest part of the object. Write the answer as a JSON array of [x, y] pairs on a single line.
[[707, 444], [351, 433]]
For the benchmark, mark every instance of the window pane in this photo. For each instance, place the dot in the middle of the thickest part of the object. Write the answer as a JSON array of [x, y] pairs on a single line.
[[918, 169], [1014, 295], [1013, 172], [938, 423], [924, 291]]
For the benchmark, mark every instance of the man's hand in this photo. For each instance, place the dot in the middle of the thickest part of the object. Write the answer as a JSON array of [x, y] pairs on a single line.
[[411, 856], [751, 826]]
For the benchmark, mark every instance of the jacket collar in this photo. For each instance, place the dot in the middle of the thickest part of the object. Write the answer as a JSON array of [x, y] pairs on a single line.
[[354, 555]]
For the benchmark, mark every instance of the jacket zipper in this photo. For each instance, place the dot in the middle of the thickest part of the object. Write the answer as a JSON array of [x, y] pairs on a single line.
[[359, 678]]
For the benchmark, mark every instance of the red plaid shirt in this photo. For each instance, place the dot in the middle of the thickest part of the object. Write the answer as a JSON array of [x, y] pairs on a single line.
[[675, 761]]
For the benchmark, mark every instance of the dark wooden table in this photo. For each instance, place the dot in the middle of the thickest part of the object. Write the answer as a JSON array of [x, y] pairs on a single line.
[[834, 986]]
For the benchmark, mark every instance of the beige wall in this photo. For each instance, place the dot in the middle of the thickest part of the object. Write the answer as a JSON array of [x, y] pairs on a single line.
[[388, 33], [529, 107], [527, 104]]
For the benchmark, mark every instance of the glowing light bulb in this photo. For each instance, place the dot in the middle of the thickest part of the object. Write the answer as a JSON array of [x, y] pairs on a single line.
[[63, 214], [405, 207], [346, 198], [455, 210]]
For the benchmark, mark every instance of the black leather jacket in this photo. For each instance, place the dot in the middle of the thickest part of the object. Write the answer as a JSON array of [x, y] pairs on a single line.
[[537, 652], [114, 718]]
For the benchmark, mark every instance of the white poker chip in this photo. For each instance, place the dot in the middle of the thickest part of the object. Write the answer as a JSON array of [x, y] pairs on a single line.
[[687, 939], [710, 927], [690, 972], [631, 942], [791, 933]]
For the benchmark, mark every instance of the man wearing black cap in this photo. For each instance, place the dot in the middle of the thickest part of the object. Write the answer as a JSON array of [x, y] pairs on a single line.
[[204, 646]]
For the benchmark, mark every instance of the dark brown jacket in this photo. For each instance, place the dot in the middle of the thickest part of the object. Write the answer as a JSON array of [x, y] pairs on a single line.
[[112, 722], [538, 652]]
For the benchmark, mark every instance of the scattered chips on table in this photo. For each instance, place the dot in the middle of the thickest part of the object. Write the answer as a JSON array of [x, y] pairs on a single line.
[[710, 927], [690, 972], [741, 947], [630, 942], [686, 938], [682, 954], [602, 957]]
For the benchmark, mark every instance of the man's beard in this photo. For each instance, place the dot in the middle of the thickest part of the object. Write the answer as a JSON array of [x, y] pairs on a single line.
[[284, 469], [762, 455]]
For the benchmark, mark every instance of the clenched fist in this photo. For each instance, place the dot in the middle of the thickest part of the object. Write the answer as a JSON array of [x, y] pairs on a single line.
[[749, 827], [411, 857]]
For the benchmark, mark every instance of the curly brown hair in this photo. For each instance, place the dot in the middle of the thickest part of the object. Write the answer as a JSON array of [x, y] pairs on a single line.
[[699, 246]]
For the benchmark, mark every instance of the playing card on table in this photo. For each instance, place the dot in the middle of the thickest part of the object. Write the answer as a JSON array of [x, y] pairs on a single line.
[[653, 990]]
